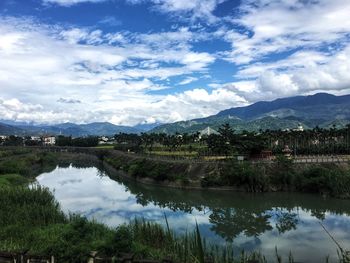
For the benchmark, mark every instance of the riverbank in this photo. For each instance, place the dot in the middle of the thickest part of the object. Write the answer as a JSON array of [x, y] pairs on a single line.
[[281, 175], [20, 166]]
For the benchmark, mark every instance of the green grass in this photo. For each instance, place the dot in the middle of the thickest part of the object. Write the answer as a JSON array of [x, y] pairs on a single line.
[[27, 164], [12, 179], [104, 146], [174, 153], [283, 175]]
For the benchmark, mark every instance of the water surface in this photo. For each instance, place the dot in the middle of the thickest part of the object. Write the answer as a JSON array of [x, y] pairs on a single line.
[[251, 222]]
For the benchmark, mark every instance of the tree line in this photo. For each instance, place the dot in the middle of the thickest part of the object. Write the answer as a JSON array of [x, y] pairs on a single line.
[[90, 141], [226, 142], [229, 142]]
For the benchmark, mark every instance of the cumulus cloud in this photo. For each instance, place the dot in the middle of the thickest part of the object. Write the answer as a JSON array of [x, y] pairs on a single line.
[[288, 47], [304, 73], [52, 67], [278, 26]]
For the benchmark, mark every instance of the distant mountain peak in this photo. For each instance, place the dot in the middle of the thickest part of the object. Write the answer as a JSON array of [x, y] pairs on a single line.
[[262, 107], [319, 109]]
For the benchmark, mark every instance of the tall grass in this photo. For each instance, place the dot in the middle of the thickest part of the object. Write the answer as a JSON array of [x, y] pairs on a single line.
[[153, 241], [29, 207]]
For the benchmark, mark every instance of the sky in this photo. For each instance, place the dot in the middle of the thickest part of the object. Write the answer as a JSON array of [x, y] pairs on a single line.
[[134, 62]]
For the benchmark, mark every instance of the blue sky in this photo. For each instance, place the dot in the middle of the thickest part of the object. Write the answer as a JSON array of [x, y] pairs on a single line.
[[146, 61]]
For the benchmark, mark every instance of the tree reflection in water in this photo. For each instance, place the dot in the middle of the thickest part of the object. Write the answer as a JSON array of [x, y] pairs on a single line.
[[285, 221], [233, 214], [230, 222]]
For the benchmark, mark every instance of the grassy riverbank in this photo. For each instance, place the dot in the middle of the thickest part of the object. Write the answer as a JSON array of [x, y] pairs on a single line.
[[330, 179], [20, 166], [283, 175]]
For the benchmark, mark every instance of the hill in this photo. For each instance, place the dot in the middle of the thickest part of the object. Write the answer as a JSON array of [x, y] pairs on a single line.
[[67, 129], [321, 109], [10, 130]]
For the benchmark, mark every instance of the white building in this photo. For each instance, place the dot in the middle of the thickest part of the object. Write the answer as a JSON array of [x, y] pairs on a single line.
[[299, 128], [49, 140], [3, 137], [35, 138]]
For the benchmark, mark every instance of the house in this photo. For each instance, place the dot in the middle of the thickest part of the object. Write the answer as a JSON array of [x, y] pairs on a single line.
[[103, 140], [300, 128], [49, 140], [35, 138], [106, 140]]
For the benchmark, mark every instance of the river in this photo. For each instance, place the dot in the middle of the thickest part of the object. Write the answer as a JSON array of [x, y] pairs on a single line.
[[253, 222]]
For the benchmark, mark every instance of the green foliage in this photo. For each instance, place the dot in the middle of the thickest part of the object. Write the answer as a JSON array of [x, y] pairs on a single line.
[[28, 206], [329, 180], [12, 179], [27, 164], [13, 141], [90, 141], [283, 174], [32, 219], [144, 168], [239, 174]]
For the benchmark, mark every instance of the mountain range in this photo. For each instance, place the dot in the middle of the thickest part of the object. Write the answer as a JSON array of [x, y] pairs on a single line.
[[321, 109], [75, 130]]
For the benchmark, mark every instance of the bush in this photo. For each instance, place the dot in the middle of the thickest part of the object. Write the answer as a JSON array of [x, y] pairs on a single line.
[[315, 180], [249, 176]]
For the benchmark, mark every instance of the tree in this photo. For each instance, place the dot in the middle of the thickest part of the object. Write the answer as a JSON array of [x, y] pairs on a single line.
[[64, 141], [13, 140]]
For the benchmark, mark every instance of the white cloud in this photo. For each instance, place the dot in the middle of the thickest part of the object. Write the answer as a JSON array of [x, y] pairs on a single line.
[[288, 47], [280, 48], [188, 80], [274, 26], [49, 66], [302, 73], [71, 2], [111, 21], [195, 9]]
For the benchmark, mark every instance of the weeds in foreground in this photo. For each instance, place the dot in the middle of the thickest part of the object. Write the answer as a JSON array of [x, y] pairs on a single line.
[[343, 255]]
